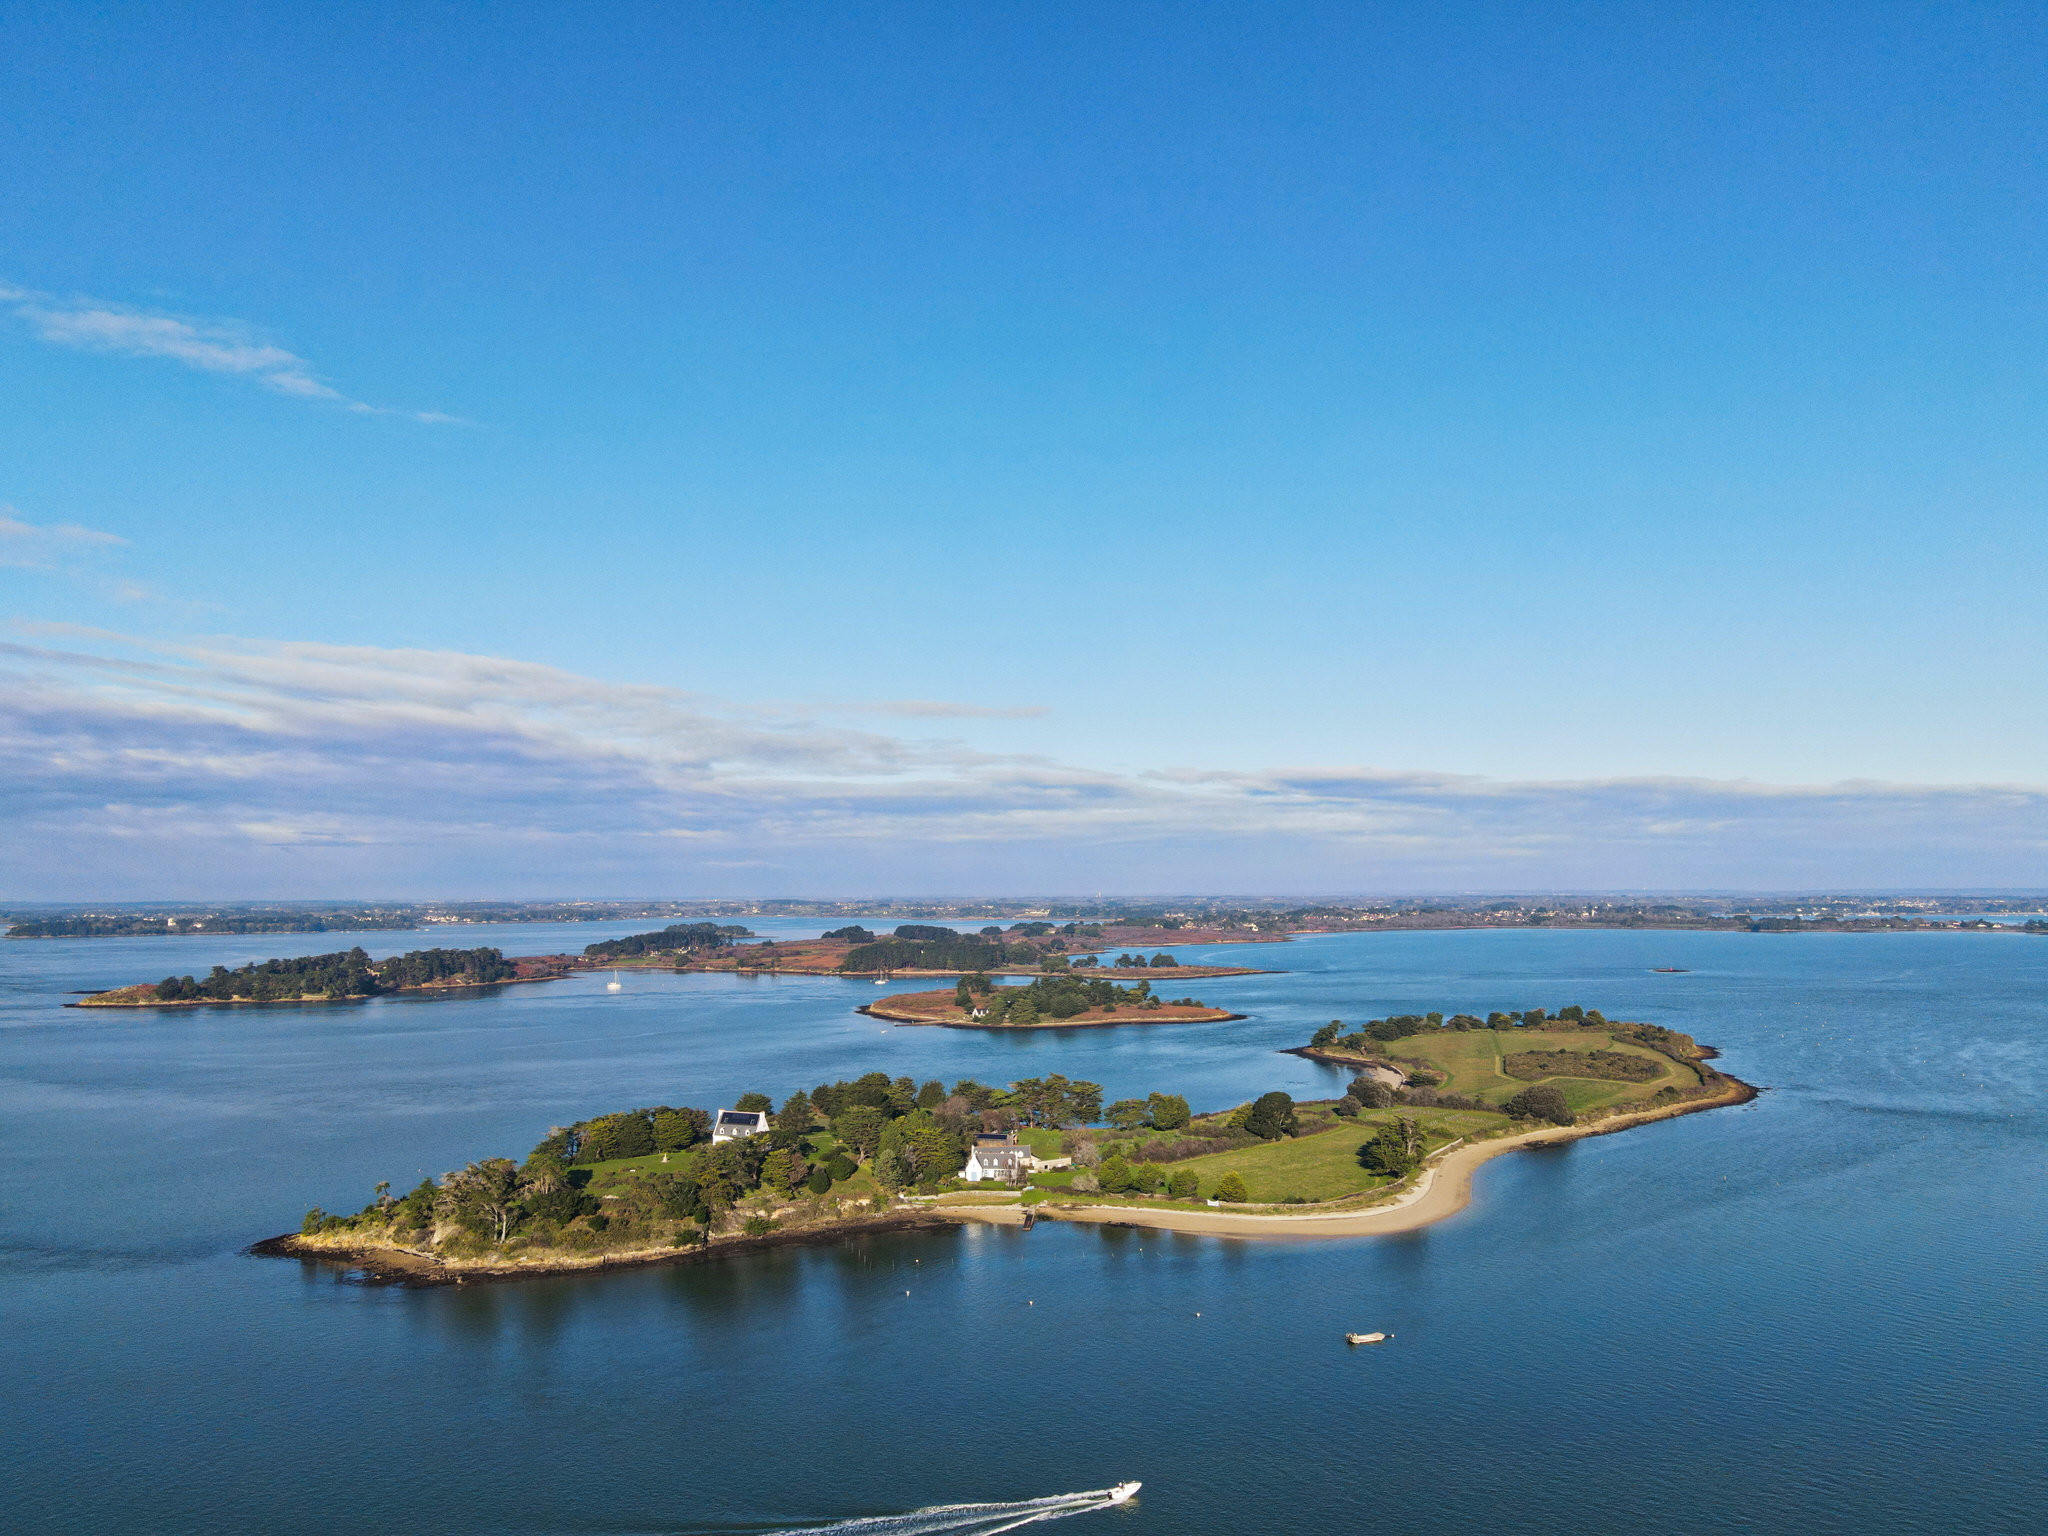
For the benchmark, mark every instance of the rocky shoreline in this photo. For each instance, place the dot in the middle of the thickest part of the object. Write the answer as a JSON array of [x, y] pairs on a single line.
[[401, 1266]]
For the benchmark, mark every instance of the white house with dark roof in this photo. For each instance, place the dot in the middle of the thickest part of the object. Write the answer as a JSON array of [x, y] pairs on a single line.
[[732, 1124], [1002, 1160]]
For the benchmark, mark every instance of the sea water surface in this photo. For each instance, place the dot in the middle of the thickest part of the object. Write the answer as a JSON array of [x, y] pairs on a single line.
[[1820, 1312]]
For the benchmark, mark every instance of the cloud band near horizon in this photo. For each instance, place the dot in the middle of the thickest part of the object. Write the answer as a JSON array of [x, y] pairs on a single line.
[[220, 769]]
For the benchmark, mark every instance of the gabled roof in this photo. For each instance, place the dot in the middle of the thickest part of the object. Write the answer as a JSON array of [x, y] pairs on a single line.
[[741, 1119]]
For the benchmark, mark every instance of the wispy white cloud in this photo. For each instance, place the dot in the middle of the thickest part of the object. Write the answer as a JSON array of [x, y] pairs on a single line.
[[28, 546], [210, 345], [425, 766]]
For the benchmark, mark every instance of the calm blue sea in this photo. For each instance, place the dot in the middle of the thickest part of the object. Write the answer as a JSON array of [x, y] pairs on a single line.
[[1821, 1312]]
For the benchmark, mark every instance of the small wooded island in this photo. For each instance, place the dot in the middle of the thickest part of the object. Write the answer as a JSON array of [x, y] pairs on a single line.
[[1059, 1001], [1433, 1099]]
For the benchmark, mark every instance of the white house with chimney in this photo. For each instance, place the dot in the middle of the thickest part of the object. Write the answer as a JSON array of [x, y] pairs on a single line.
[[733, 1124], [1000, 1159], [1006, 1164]]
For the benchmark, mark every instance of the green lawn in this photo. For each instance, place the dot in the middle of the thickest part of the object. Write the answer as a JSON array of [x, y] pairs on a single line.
[[1471, 1063], [1324, 1166]]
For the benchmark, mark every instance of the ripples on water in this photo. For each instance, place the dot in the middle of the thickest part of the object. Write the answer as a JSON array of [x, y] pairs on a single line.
[[1816, 1313]]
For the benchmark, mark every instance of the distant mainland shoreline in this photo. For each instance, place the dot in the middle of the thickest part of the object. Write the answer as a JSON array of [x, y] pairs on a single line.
[[1191, 921]]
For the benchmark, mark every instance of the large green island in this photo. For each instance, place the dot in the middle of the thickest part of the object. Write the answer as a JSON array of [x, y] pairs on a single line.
[[1433, 1098], [346, 975]]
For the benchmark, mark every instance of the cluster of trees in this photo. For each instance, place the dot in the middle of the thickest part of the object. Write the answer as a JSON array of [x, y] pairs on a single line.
[[1054, 1102], [954, 952], [634, 1133], [1544, 1101], [346, 973], [1396, 1151], [1615, 1066], [1062, 996], [852, 933], [1268, 1117], [1401, 1025], [674, 939], [1116, 1176], [1658, 1038], [1158, 962], [1160, 1112], [1365, 1093], [425, 967]]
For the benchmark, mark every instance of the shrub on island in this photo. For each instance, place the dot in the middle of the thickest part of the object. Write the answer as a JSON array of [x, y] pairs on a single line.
[[1545, 1101], [1395, 1151], [1271, 1116], [1369, 1093], [1230, 1189]]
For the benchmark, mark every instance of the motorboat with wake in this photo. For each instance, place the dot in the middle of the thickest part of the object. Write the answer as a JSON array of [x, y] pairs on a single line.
[[1123, 1491]]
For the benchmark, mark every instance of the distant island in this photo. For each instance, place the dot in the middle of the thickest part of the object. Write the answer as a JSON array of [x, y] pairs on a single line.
[[1432, 1100], [676, 939], [1066, 1001], [332, 978]]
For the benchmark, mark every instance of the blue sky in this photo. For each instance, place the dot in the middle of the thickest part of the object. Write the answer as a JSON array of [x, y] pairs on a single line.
[[689, 450]]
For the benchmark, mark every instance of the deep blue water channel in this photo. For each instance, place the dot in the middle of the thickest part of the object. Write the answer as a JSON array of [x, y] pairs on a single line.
[[1821, 1312]]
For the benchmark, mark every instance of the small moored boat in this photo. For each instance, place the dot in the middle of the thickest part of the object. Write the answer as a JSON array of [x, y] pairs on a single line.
[[1123, 1491], [1366, 1338]]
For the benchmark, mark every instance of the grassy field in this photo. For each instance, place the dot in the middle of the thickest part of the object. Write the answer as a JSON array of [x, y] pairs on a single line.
[[1471, 1061], [1324, 1165]]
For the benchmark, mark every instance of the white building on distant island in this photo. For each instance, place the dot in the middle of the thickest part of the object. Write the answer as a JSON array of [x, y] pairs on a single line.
[[732, 1124]]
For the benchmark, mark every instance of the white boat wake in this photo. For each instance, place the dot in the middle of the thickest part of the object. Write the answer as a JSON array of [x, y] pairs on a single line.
[[968, 1519]]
